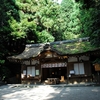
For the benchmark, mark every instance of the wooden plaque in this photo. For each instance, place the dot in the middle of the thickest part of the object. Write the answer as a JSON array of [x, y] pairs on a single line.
[[97, 67]]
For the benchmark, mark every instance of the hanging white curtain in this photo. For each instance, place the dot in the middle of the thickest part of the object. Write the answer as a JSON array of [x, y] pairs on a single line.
[[79, 68], [30, 71], [76, 69]]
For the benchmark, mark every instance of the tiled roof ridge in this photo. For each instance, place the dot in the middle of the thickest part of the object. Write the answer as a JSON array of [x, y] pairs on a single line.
[[58, 42]]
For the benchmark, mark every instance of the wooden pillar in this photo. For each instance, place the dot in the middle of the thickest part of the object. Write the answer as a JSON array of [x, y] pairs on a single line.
[[67, 71], [78, 69], [41, 71]]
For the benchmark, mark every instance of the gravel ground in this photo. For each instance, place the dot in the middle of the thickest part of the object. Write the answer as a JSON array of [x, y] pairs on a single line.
[[9, 92]]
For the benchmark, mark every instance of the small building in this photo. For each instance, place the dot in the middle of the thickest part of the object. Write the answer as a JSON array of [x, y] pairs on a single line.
[[69, 61]]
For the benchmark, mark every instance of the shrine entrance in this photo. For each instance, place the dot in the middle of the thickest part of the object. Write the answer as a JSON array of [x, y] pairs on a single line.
[[54, 70]]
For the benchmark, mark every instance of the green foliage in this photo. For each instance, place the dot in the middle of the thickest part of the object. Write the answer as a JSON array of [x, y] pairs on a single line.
[[34, 17], [86, 20], [29, 21], [69, 20], [2, 61], [81, 18], [44, 36], [70, 24], [46, 17], [91, 21], [95, 35], [21, 29], [4, 73], [97, 61]]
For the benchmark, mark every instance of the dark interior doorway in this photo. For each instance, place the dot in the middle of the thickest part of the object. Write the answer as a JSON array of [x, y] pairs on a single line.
[[15, 73], [54, 72]]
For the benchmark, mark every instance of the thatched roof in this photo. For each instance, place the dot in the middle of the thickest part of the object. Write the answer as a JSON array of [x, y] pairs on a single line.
[[29, 52], [68, 47], [73, 48]]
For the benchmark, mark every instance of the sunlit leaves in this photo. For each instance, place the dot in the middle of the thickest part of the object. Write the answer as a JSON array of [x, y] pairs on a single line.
[[45, 36], [42, 13], [48, 23], [65, 21], [21, 29], [71, 26]]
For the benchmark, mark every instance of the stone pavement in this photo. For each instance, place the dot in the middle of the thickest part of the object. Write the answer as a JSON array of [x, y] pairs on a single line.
[[56, 85], [50, 92]]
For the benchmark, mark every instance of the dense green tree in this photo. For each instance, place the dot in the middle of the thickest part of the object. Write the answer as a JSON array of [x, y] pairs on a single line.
[[29, 21], [90, 18], [70, 16], [46, 18], [95, 35], [7, 9], [80, 18], [37, 19]]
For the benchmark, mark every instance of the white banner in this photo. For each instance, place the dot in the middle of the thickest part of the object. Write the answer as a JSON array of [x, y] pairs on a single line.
[[51, 65]]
